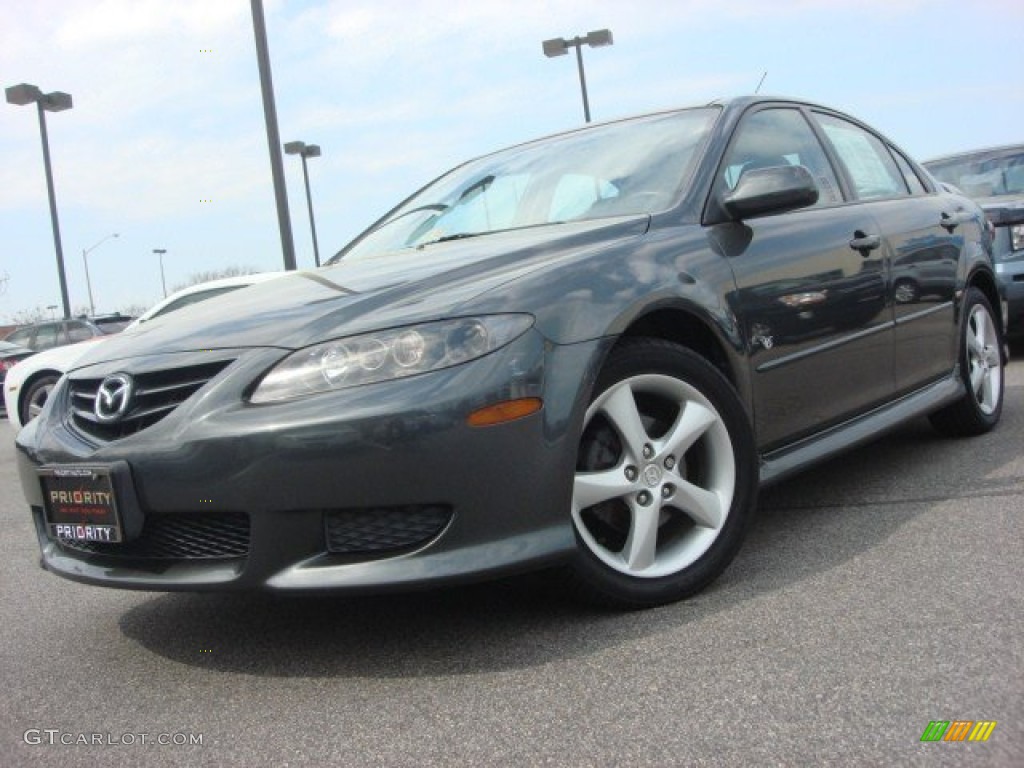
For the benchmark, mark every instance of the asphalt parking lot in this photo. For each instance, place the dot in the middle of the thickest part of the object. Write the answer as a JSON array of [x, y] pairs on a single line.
[[877, 593]]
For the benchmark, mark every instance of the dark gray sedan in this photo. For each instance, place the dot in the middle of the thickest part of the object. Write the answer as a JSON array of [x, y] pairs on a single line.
[[995, 178], [588, 350]]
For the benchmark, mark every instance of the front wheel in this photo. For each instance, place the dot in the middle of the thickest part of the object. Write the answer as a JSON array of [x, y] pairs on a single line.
[[36, 395], [981, 365], [666, 477]]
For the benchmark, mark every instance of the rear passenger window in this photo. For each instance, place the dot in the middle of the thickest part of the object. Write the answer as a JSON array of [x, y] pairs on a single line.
[[870, 166]]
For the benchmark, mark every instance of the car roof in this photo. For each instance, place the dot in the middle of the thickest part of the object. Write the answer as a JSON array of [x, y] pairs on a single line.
[[1007, 149]]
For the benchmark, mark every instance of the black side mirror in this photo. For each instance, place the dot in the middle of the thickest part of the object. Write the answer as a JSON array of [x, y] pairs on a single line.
[[770, 190]]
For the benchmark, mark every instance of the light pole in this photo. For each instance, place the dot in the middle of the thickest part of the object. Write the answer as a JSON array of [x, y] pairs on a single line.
[[284, 222], [85, 260], [56, 101], [560, 46], [160, 252], [306, 150]]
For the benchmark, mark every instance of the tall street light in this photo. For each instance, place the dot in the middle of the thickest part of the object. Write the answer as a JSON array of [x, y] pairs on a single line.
[[560, 46], [57, 101], [85, 260], [306, 150], [160, 252], [284, 222]]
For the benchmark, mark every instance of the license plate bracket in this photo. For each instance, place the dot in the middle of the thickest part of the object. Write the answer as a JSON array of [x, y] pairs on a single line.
[[80, 503]]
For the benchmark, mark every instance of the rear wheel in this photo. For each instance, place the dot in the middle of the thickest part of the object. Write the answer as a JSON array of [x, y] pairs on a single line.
[[981, 365], [665, 480], [36, 395]]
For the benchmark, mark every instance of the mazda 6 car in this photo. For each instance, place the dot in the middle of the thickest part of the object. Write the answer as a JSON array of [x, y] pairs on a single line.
[[583, 354]]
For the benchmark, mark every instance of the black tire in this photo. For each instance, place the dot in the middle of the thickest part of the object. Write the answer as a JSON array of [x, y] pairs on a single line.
[[35, 396], [981, 366], [688, 481]]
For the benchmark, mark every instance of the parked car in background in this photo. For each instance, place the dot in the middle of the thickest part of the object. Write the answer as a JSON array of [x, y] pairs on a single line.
[[27, 388], [57, 333], [995, 177], [588, 350], [10, 354]]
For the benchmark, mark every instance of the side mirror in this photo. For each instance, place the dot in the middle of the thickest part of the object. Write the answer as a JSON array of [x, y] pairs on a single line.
[[770, 190]]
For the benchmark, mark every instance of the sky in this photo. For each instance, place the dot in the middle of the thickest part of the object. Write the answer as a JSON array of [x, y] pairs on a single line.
[[167, 147]]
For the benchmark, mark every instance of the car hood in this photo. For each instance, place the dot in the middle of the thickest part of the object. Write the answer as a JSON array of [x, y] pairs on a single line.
[[1003, 209], [388, 290]]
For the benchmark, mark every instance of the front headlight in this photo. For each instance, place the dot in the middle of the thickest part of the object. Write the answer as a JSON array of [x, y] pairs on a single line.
[[385, 355]]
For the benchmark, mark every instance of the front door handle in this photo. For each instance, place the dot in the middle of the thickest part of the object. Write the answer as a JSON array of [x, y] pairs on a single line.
[[865, 243]]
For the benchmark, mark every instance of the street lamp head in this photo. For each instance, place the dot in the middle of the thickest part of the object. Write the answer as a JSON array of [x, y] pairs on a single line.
[[23, 94], [57, 101], [302, 148], [555, 47], [161, 251], [599, 38]]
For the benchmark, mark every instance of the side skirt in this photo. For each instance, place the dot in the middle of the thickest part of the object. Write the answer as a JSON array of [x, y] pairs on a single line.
[[783, 462]]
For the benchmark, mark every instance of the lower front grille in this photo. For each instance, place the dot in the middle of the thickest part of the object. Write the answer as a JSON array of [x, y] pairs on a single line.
[[383, 529], [205, 536]]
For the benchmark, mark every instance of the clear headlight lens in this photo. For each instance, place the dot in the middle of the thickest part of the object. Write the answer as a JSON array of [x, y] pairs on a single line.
[[1017, 236], [386, 355]]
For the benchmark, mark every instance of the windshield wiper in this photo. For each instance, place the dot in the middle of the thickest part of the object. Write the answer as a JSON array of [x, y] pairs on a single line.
[[456, 236]]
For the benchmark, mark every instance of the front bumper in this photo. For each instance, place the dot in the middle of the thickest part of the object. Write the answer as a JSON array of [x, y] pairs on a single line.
[[271, 491]]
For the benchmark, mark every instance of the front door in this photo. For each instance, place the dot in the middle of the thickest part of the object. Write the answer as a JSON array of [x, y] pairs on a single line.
[[812, 289]]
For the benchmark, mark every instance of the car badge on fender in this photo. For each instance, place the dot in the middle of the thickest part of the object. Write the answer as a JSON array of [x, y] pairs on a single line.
[[113, 398]]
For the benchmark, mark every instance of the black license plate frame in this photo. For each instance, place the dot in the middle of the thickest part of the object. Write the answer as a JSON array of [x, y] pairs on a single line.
[[80, 504]]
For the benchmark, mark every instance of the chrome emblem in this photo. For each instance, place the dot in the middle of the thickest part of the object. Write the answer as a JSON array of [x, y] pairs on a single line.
[[652, 475], [113, 398]]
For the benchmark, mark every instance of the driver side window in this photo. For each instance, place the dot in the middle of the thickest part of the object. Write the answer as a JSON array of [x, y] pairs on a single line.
[[777, 136]]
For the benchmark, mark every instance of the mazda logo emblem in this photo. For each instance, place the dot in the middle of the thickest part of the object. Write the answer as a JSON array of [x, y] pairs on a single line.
[[113, 398]]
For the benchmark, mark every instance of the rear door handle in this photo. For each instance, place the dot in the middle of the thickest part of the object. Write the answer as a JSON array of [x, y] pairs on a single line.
[[951, 221], [865, 243]]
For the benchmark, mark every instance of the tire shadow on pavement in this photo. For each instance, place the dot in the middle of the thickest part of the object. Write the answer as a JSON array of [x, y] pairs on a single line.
[[806, 526]]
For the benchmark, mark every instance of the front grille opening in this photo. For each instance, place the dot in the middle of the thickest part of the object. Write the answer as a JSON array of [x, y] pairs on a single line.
[[384, 530], [156, 394], [196, 536]]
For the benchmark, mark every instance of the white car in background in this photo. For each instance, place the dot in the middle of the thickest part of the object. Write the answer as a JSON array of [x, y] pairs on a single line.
[[28, 384]]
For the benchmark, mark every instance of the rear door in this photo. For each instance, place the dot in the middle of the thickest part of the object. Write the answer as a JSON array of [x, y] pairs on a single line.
[[923, 238]]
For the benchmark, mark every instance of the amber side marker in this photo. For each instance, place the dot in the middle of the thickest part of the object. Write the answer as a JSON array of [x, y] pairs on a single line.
[[509, 410]]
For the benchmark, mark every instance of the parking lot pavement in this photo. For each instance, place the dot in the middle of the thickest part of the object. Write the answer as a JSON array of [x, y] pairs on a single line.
[[876, 593]]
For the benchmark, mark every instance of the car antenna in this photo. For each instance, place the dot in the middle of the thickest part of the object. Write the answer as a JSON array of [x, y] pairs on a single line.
[[760, 82]]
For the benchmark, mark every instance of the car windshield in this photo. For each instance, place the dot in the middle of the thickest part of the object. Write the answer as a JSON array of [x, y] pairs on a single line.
[[629, 167], [983, 174]]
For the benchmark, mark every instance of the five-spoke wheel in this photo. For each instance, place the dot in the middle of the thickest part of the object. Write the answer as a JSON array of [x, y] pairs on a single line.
[[665, 476]]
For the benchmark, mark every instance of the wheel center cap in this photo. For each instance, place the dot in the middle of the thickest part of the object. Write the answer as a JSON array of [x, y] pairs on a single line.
[[652, 475]]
